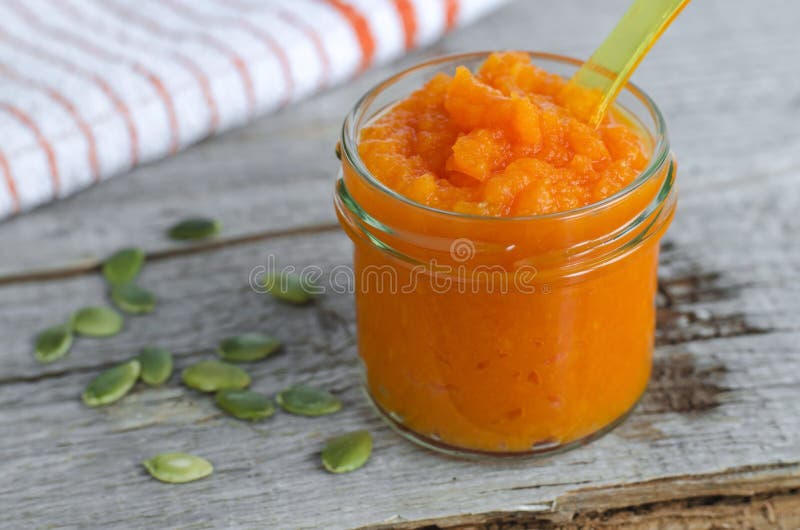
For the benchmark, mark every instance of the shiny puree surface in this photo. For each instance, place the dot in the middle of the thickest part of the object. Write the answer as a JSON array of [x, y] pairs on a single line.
[[507, 141]]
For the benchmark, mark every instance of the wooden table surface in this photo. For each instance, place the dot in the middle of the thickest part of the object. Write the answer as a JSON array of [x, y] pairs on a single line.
[[714, 442]]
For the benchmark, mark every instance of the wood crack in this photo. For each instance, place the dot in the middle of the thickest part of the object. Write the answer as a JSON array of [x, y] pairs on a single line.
[[679, 384], [91, 266], [677, 324], [741, 498], [677, 327], [95, 368]]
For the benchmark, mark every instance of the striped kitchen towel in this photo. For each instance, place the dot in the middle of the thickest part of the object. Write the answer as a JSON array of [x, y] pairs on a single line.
[[91, 88]]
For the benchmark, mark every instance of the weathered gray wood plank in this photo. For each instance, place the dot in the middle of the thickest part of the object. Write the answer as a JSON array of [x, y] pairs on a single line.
[[715, 406]]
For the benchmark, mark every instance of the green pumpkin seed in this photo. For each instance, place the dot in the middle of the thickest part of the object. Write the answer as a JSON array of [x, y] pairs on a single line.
[[53, 343], [156, 365], [289, 288], [247, 347], [245, 404], [308, 401], [97, 322], [133, 299], [177, 468], [123, 266], [112, 384], [193, 229], [210, 376], [347, 452]]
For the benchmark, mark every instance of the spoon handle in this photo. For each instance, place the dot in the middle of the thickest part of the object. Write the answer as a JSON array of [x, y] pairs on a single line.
[[610, 66]]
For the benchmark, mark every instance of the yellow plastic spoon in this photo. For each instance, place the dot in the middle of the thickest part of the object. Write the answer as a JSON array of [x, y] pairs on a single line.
[[610, 66]]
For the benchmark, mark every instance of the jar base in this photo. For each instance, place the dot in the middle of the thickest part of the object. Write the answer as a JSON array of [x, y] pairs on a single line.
[[544, 450]]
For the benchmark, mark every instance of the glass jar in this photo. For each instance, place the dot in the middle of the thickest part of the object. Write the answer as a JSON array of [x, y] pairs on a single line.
[[504, 335]]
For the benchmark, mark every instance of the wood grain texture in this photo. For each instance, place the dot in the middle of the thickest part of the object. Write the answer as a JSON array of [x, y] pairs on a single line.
[[714, 441]]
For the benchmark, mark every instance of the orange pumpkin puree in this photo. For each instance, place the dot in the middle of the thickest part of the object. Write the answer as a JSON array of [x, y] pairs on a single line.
[[473, 366], [502, 142]]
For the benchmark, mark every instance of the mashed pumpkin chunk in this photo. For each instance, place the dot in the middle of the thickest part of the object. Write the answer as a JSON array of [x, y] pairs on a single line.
[[501, 142]]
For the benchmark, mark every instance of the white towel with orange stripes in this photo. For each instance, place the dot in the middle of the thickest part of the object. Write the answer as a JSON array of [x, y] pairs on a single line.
[[91, 88]]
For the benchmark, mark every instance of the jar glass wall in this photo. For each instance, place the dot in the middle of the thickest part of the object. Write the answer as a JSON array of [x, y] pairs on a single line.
[[504, 335]]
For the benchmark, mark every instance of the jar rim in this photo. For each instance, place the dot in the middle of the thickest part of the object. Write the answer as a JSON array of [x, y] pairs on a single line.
[[349, 143]]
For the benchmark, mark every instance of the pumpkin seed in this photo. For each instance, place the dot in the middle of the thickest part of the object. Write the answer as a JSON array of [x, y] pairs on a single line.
[[210, 376], [133, 299], [112, 384], [156, 365], [177, 468], [97, 322], [347, 452], [245, 404], [123, 266], [308, 401], [247, 347], [193, 229], [289, 288], [53, 343]]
